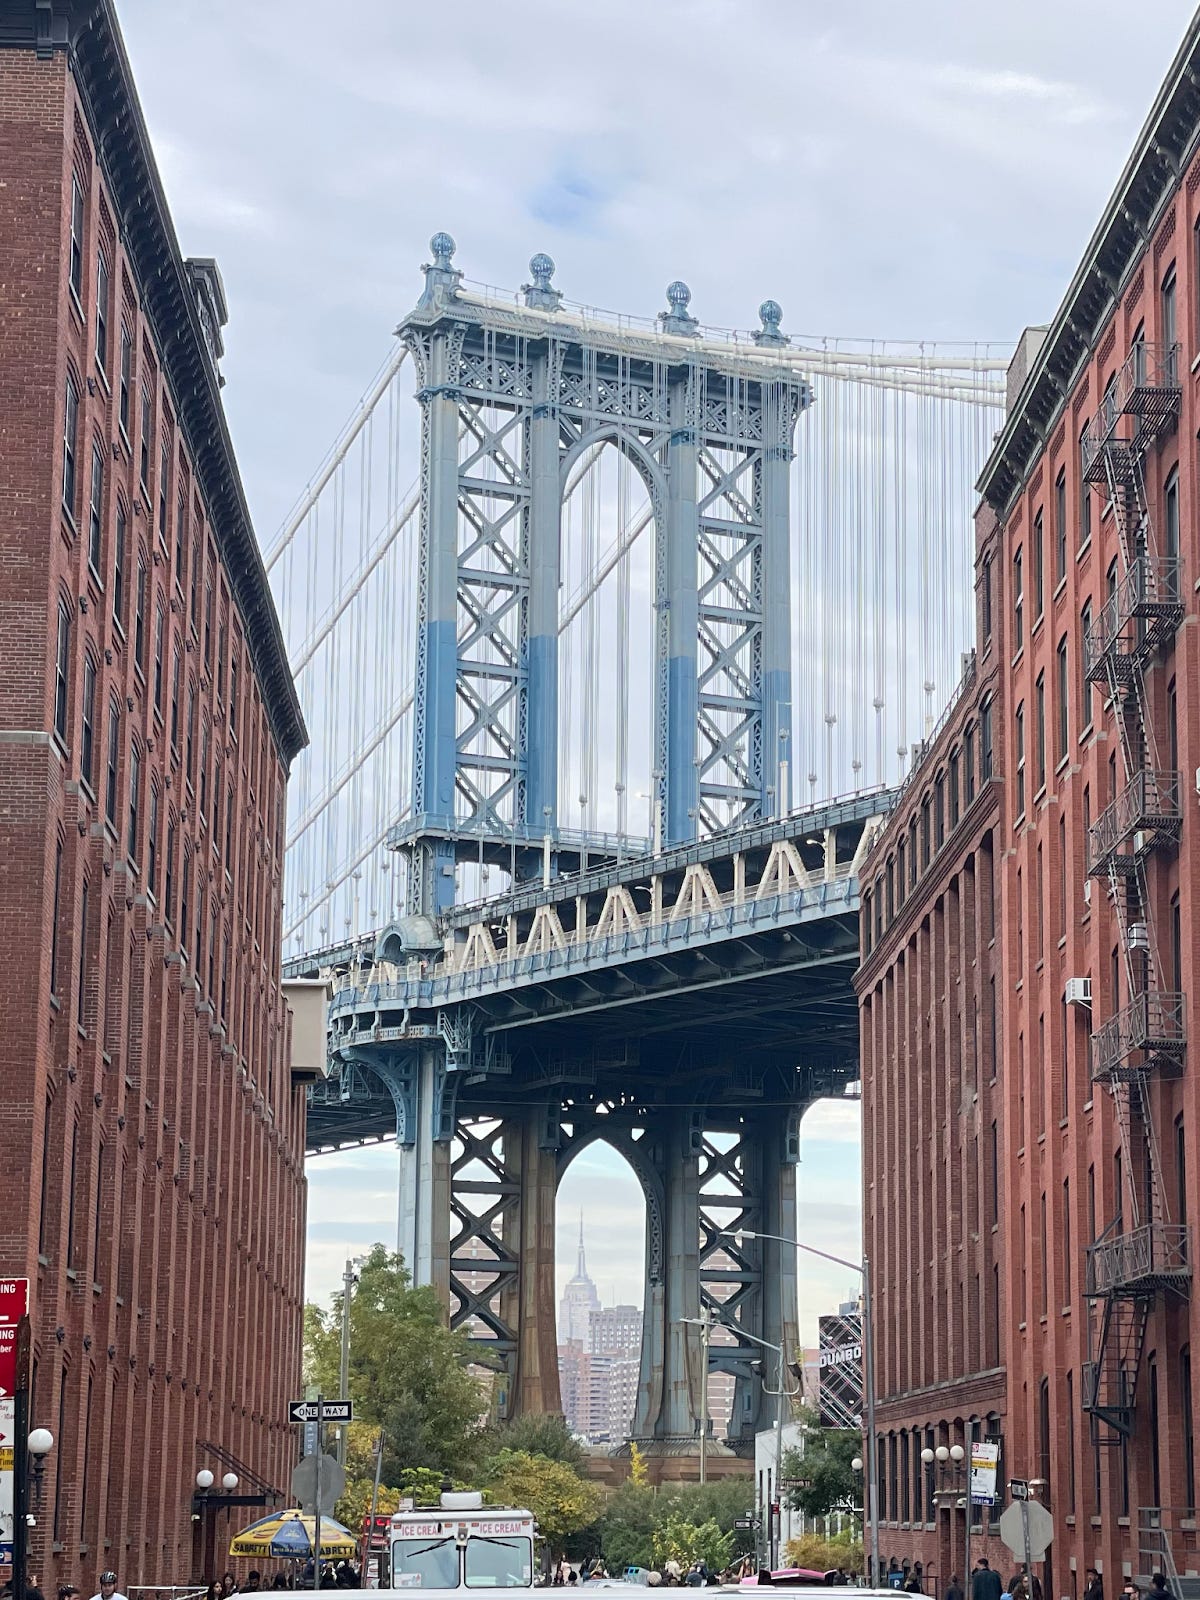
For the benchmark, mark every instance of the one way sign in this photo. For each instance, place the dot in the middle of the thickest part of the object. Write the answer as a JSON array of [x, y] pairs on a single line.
[[331, 1411]]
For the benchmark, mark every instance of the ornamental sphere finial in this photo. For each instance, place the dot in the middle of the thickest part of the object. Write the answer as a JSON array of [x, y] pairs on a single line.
[[541, 266], [443, 248], [771, 315], [678, 296]]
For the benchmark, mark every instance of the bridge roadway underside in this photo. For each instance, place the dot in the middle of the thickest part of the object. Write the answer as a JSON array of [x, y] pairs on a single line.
[[689, 1030]]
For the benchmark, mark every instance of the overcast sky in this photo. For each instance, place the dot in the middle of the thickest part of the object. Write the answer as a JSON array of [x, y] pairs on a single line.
[[929, 171]]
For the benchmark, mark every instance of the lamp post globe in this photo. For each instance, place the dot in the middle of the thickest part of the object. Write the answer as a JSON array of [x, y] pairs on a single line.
[[857, 1464], [942, 1453], [229, 1482], [204, 1479], [40, 1442], [957, 1452], [927, 1456]]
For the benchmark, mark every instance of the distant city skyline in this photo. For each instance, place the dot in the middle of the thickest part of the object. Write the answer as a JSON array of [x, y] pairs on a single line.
[[353, 1204]]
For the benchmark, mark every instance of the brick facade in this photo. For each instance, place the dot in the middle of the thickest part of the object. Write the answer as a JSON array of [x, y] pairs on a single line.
[[151, 1167], [1072, 574], [932, 1121]]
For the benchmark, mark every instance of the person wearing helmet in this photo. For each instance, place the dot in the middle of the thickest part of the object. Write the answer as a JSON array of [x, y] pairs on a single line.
[[108, 1588]]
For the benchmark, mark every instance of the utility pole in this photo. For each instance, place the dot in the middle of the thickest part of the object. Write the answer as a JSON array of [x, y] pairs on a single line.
[[705, 1333], [349, 1279]]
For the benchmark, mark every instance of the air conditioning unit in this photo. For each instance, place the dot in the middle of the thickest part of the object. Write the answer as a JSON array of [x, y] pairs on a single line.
[[1139, 936], [1079, 992], [1087, 891], [1140, 841]]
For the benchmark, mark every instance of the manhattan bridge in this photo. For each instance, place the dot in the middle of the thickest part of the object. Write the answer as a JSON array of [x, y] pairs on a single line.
[[615, 647]]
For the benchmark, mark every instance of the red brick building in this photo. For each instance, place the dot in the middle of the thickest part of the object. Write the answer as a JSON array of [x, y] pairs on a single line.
[[1076, 1130], [151, 1155]]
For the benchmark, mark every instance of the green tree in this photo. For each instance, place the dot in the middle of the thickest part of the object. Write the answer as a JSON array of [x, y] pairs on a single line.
[[677, 1539], [562, 1502], [722, 1501], [540, 1436], [825, 1467], [631, 1515], [408, 1372]]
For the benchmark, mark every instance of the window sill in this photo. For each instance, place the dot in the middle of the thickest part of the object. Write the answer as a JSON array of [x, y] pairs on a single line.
[[72, 1275], [1085, 549], [1063, 1124], [1040, 796], [102, 375], [43, 1261], [1087, 1105], [55, 1003], [1016, 660], [77, 305], [1061, 767], [69, 519]]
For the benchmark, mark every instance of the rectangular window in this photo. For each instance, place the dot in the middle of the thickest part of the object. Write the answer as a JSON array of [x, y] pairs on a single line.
[[70, 434], [139, 616], [1045, 1255], [194, 590], [1019, 728], [118, 597], [96, 509], [75, 268], [87, 741], [985, 741], [208, 615], [169, 873], [114, 736], [939, 812], [189, 734], [1060, 526], [125, 380], [953, 782], [46, 1148], [184, 874], [72, 1242], [81, 967], [160, 628], [1189, 1435], [968, 765], [55, 985], [62, 665], [1066, 1242], [1085, 630], [1039, 563], [1018, 601], [135, 785], [152, 842], [1167, 323], [1064, 732], [229, 824], [144, 441], [1171, 531], [180, 540], [203, 808], [233, 693], [1039, 700], [102, 311], [176, 669], [164, 489], [985, 585]]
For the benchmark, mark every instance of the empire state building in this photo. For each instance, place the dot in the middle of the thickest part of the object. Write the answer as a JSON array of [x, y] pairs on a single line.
[[578, 1304]]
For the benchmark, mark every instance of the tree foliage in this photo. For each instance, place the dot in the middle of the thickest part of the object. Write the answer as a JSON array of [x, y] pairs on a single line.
[[821, 1555], [540, 1436], [678, 1539], [833, 1485], [408, 1371], [562, 1502], [635, 1514]]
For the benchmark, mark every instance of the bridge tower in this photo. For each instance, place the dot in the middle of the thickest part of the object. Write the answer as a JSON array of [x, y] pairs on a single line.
[[513, 394]]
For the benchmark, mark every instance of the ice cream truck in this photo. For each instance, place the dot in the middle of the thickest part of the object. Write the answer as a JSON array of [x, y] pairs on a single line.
[[460, 1544]]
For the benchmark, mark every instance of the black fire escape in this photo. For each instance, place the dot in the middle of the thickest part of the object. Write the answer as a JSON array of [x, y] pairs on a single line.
[[1141, 1254]]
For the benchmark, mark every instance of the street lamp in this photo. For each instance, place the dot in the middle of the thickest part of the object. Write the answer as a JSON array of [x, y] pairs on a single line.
[[349, 1279], [951, 1459], [229, 1482], [28, 1457], [871, 1478], [204, 1480]]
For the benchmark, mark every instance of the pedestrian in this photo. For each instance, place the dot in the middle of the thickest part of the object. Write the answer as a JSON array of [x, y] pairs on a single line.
[[1094, 1586], [67, 1591], [1158, 1586], [985, 1584], [954, 1589], [228, 1585], [108, 1587]]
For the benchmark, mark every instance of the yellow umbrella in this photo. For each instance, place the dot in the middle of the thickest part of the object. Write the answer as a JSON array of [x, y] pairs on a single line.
[[292, 1533]]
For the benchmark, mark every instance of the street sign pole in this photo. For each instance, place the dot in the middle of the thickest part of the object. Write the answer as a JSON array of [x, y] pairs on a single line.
[[317, 1524], [21, 1459]]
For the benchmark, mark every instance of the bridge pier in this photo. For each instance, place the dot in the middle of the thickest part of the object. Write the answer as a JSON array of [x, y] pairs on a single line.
[[527, 1305], [423, 1225]]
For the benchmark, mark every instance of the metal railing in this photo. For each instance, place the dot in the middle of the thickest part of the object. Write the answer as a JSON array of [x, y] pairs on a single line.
[[1153, 1021], [1146, 384], [1149, 802], [1138, 1261], [1150, 591], [926, 745]]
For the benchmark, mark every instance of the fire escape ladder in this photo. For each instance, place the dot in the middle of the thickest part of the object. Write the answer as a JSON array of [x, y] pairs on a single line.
[[1137, 1257]]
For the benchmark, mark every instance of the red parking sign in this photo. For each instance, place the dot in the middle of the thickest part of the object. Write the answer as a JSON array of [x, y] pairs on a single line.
[[14, 1304]]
